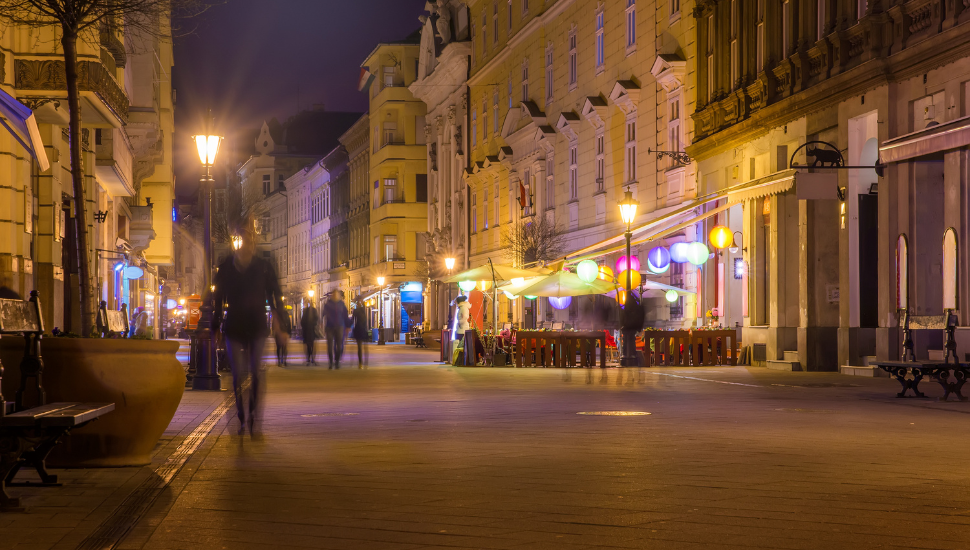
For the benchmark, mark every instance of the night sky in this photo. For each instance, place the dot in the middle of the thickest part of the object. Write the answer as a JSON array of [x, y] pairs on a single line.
[[250, 60]]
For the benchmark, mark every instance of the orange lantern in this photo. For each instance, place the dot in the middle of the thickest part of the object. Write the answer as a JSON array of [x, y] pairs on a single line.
[[621, 297], [721, 237], [605, 273], [484, 285], [634, 279]]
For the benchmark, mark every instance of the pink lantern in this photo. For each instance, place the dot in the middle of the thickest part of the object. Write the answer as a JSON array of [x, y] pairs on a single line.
[[621, 264]]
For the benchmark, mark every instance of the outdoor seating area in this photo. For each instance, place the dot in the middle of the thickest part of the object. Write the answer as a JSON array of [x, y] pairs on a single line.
[[947, 370]]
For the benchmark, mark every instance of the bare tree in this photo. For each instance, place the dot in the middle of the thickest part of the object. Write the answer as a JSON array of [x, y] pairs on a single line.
[[83, 19], [533, 240]]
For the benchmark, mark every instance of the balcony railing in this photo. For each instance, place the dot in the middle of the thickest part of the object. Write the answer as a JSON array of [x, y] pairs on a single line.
[[393, 201]]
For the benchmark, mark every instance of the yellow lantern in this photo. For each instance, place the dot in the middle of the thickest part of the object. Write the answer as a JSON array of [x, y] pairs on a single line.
[[635, 279], [621, 297], [484, 285], [721, 237], [605, 274]]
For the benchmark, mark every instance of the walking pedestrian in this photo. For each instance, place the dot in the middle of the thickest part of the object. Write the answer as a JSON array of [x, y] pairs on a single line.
[[309, 323], [361, 332], [285, 330], [335, 320], [463, 314], [244, 284]]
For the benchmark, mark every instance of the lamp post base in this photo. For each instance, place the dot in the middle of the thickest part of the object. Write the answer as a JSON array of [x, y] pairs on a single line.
[[628, 362], [207, 382]]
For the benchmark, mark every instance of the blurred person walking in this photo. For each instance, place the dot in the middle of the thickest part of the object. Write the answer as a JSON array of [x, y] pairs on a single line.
[[285, 330], [244, 283], [335, 327], [631, 323], [309, 323], [360, 332]]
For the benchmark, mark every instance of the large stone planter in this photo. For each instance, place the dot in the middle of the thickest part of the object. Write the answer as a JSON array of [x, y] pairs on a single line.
[[142, 378]]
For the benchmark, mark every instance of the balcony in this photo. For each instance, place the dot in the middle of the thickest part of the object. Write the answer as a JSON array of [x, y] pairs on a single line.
[[392, 94], [113, 162], [398, 150], [40, 83], [398, 208]]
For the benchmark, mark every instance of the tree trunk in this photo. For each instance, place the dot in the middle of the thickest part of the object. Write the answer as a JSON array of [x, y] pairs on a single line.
[[69, 43]]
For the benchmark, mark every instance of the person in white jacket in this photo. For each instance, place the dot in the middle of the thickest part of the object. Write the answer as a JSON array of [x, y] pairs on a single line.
[[462, 316]]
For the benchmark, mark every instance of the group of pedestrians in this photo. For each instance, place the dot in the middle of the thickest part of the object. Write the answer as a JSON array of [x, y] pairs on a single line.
[[243, 285]]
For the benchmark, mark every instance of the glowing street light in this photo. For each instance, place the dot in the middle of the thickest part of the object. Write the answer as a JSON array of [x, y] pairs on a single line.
[[380, 311], [628, 212]]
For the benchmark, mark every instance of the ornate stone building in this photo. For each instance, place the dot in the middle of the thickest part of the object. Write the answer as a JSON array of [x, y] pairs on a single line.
[[357, 142]]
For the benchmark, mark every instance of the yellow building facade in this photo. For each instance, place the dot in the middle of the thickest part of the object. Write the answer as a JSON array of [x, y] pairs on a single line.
[[569, 102], [398, 175]]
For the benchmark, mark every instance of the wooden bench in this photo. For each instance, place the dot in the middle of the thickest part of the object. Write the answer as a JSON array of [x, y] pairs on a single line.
[[111, 323], [28, 434], [950, 373]]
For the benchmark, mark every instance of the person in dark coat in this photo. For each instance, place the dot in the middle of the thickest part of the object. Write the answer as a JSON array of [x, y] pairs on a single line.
[[285, 328], [361, 332], [244, 284], [335, 318], [309, 323], [631, 323]]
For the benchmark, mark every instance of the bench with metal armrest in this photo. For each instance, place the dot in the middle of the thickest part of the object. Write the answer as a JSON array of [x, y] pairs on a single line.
[[113, 323], [28, 434]]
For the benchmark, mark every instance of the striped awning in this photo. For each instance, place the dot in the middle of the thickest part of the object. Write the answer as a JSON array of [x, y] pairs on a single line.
[[772, 184]]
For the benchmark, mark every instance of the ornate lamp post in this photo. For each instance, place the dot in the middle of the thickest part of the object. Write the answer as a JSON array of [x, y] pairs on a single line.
[[206, 376], [450, 264], [380, 311], [628, 212]]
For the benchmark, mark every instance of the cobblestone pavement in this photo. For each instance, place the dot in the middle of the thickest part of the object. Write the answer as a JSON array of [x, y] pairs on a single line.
[[409, 454]]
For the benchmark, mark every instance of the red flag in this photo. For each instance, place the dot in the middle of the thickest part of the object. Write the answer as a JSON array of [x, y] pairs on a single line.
[[522, 198]]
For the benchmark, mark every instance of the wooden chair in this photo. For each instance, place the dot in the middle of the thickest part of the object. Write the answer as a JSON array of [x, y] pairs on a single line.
[[27, 435]]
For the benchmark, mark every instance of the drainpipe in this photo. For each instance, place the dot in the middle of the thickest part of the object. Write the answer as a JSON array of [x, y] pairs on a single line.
[[466, 137]]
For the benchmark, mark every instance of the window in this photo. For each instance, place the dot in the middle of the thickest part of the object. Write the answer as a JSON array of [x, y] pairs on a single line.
[[862, 6], [390, 128], [760, 46], [474, 212], [573, 171], [631, 25], [550, 183], [484, 119], [495, 112], [528, 194], [267, 179], [390, 247], [421, 188], [673, 125], [525, 80], [572, 59], [510, 17], [549, 73], [600, 56], [498, 204], [710, 58], [377, 193], [484, 33], [485, 208], [631, 150], [388, 77], [510, 90], [390, 190], [495, 22], [735, 61], [820, 29], [525, 7], [785, 28], [600, 160], [674, 8]]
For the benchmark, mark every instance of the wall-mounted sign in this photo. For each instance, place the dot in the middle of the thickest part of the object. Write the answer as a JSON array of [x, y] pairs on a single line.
[[132, 272]]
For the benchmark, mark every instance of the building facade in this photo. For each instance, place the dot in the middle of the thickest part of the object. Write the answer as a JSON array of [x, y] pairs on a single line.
[[357, 141], [332, 229], [398, 170]]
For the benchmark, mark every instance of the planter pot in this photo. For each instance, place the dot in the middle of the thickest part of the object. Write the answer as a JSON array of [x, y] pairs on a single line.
[[142, 378]]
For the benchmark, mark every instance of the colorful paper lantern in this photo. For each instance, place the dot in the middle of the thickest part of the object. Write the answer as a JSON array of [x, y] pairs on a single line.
[[605, 273], [509, 295], [659, 257], [678, 252], [721, 237], [484, 285], [698, 253], [635, 279], [587, 270], [655, 269], [531, 297], [621, 297], [466, 286], [621, 264], [560, 303], [671, 295]]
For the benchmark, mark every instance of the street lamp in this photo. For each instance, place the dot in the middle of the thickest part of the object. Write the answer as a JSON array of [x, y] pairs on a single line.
[[206, 376], [450, 264], [628, 212], [380, 311]]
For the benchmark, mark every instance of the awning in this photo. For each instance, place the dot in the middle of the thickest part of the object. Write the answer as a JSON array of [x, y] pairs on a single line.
[[19, 120], [772, 184], [935, 139]]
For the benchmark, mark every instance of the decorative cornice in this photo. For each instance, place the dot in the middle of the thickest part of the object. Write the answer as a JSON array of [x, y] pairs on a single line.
[[40, 74], [625, 95], [669, 70], [594, 111], [568, 124]]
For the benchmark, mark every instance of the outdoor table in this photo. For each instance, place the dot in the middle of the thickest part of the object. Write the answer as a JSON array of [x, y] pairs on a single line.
[[910, 373], [538, 348], [682, 348]]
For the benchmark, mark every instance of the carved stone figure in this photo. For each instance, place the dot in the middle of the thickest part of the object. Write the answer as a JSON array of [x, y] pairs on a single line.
[[444, 24], [433, 155], [458, 139]]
